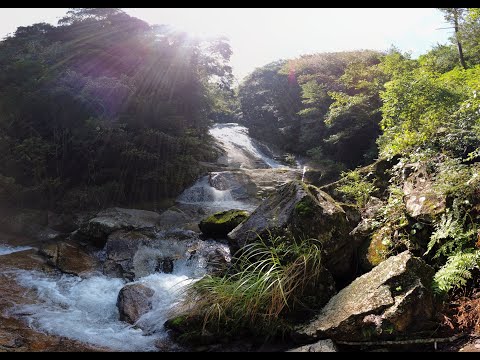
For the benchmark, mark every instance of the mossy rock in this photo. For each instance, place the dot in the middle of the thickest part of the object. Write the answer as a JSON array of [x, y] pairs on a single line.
[[221, 223], [188, 330], [374, 250]]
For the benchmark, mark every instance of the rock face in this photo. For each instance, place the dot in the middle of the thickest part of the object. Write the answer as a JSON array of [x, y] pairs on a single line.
[[421, 200], [395, 297], [305, 212], [133, 301], [320, 346], [113, 219], [221, 223]]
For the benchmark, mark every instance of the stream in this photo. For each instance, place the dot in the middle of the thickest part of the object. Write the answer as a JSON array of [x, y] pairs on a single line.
[[84, 309]]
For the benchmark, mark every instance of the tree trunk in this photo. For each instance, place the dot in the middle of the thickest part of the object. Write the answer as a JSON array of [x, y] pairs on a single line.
[[459, 44]]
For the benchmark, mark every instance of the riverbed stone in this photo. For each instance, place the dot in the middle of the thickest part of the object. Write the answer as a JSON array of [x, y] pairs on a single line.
[[133, 301]]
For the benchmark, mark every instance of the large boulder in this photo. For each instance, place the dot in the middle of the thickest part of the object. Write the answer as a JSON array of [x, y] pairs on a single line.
[[221, 223], [303, 211], [113, 219], [133, 301], [422, 202], [394, 298]]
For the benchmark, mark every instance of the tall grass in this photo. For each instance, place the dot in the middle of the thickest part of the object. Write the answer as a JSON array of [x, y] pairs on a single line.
[[270, 280]]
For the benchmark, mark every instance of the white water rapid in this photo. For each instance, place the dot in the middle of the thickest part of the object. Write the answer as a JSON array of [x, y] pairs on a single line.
[[85, 308]]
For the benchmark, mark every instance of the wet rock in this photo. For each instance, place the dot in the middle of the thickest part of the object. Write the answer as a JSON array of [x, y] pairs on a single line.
[[113, 219], [221, 223], [165, 265], [303, 211], [394, 298], [50, 252], [120, 250], [216, 255], [320, 346], [422, 202], [240, 185], [70, 257], [74, 259], [133, 301], [133, 254]]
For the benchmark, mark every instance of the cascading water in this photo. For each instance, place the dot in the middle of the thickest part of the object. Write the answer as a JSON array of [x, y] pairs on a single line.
[[6, 249], [241, 149], [85, 308]]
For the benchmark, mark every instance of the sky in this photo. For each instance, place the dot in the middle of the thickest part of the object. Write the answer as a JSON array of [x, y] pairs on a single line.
[[262, 35]]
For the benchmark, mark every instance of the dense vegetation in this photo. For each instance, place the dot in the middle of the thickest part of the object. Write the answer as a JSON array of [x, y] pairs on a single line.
[[105, 109], [325, 107], [342, 110]]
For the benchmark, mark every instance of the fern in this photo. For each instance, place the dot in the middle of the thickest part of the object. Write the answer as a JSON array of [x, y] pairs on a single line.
[[450, 235], [456, 272]]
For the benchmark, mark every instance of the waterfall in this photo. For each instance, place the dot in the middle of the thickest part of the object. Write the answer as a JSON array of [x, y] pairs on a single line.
[[85, 308]]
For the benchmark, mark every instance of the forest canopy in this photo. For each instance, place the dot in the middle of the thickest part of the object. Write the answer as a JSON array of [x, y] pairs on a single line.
[[105, 109]]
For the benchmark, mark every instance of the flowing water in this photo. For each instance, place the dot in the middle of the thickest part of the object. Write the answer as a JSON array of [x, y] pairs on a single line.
[[6, 249], [85, 309]]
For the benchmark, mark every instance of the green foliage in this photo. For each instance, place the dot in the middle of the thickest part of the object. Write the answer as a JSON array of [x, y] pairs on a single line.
[[452, 234], [356, 187], [325, 106], [457, 179], [426, 105], [456, 272], [271, 279], [105, 98]]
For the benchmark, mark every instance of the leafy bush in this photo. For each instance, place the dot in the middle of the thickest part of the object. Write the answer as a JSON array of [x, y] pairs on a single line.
[[356, 187]]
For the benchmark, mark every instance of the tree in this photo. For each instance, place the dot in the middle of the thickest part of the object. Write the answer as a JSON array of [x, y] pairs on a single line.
[[455, 16]]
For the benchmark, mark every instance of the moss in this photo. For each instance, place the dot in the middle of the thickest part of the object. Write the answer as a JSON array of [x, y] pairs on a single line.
[[375, 250], [304, 208], [221, 223]]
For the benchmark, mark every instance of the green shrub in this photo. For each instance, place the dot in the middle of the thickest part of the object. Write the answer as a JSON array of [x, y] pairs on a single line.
[[355, 187]]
